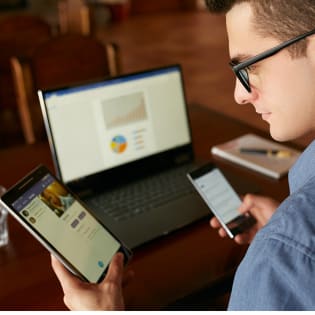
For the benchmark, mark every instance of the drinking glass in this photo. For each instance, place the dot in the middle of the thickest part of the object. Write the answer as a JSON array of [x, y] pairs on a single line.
[[4, 234]]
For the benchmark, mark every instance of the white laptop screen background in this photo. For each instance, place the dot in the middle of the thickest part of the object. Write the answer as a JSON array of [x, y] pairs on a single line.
[[100, 126]]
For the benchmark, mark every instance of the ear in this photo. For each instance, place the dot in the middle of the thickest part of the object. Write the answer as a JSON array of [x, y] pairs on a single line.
[[311, 48]]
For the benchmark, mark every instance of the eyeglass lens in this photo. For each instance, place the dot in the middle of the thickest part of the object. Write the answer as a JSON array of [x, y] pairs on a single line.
[[244, 78]]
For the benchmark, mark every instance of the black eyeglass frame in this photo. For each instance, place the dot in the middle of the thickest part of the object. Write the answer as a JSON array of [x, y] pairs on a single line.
[[240, 68]]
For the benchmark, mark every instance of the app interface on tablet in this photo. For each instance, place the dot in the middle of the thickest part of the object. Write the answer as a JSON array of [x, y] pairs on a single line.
[[68, 227]]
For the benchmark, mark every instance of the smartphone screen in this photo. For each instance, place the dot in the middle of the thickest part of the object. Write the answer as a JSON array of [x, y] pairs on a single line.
[[221, 198], [63, 224]]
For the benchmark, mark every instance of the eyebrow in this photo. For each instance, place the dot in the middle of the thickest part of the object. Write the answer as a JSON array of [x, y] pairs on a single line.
[[240, 58]]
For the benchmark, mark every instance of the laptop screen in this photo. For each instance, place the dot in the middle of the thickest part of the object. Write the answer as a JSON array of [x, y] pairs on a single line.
[[99, 126]]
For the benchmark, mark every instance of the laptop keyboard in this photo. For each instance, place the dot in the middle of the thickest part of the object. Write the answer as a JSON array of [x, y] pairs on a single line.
[[144, 195]]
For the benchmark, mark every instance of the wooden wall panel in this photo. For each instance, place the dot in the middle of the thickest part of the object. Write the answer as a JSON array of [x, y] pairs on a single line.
[[145, 6]]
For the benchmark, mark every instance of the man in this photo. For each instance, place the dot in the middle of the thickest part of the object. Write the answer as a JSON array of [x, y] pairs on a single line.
[[272, 49]]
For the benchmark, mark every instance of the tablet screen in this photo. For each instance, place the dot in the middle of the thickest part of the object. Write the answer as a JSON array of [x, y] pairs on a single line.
[[54, 213]]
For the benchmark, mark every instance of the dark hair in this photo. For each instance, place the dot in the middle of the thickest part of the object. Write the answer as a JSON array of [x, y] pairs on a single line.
[[281, 19], [220, 6]]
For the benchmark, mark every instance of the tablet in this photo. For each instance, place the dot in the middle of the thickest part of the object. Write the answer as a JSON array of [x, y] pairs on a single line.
[[63, 224]]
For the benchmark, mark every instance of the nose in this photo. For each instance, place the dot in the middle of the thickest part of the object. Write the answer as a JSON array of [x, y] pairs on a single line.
[[241, 95]]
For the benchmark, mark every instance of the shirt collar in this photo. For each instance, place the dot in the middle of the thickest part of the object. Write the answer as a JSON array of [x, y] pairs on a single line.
[[303, 169]]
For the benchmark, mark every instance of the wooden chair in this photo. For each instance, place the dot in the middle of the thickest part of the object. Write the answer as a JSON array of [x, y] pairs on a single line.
[[74, 17], [62, 61], [20, 34]]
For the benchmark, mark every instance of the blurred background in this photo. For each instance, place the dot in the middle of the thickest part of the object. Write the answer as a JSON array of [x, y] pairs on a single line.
[[146, 33]]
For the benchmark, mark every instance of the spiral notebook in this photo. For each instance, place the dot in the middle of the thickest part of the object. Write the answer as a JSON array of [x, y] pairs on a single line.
[[258, 154]]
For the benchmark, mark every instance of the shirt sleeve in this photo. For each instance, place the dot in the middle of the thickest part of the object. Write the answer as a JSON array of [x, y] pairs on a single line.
[[274, 275]]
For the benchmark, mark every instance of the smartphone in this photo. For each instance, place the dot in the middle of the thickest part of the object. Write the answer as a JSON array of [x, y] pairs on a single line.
[[60, 221], [221, 198]]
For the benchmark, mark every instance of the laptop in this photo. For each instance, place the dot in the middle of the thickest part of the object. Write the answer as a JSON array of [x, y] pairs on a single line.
[[122, 141]]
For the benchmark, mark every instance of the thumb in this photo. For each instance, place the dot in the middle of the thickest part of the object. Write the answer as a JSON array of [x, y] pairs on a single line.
[[66, 278], [250, 201], [115, 270]]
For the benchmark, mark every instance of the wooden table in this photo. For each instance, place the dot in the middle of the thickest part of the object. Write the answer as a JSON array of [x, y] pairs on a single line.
[[166, 270]]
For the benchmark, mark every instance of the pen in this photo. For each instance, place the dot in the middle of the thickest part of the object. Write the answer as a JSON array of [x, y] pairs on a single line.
[[268, 152]]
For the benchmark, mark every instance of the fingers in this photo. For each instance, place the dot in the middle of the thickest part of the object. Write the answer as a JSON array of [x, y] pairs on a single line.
[[242, 239], [115, 269], [69, 281], [254, 204], [252, 201], [214, 222], [248, 203], [261, 207]]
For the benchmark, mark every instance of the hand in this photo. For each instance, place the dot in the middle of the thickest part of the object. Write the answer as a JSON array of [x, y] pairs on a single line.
[[260, 207], [79, 295]]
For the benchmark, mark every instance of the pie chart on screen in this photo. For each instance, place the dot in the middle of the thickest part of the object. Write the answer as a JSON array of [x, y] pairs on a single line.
[[119, 144]]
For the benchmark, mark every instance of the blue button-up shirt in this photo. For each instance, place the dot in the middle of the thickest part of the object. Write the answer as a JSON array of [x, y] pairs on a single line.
[[278, 270]]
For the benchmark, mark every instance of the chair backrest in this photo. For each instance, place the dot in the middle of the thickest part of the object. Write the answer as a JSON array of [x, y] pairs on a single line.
[[20, 35], [74, 17], [64, 60]]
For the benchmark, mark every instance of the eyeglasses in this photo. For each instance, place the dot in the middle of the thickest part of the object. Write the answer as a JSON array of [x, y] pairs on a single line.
[[241, 69]]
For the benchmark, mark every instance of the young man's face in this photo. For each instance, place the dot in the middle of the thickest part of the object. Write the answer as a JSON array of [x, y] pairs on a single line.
[[283, 89]]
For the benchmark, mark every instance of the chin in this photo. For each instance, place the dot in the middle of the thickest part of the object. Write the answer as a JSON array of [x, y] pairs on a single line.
[[283, 135]]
